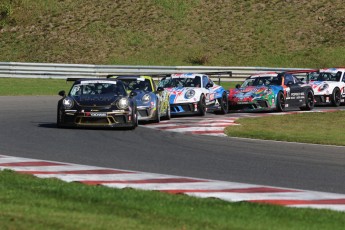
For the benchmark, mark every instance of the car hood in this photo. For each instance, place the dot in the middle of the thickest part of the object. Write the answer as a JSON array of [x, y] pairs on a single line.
[[177, 94], [315, 84], [318, 85], [95, 100], [252, 92]]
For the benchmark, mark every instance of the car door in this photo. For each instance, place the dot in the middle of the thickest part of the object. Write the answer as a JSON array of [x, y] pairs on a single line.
[[209, 92], [296, 95]]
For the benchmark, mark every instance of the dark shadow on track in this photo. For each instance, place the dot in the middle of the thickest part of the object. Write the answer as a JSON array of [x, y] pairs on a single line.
[[54, 126]]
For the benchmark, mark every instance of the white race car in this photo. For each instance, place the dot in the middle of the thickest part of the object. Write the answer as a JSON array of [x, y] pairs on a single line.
[[194, 94], [329, 86]]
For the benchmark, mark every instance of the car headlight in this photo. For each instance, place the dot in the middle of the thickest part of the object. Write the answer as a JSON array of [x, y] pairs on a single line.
[[146, 98], [67, 103], [123, 103], [323, 87], [189, 94]]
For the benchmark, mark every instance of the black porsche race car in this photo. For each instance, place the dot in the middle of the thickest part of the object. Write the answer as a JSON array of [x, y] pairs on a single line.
[[97, 103]]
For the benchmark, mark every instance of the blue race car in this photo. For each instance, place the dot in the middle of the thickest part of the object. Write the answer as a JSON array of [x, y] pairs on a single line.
[[152, 102]]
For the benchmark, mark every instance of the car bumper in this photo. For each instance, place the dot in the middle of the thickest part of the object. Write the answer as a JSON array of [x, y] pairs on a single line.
[[146, 113], [99, 119], [257, 105], [184, 109], [322, 99]]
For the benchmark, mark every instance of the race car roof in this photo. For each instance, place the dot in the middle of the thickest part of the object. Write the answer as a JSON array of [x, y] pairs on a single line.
[[88, 79], [333, 70], [98, 80], [266, 74], [129, 77], [185, 75]]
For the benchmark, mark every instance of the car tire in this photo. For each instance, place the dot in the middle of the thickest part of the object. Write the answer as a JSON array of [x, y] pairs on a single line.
[[58, 118], [309, 103], [223, 104], [168, 113], [135, 121], [280, 102], [336, 97], [157, 113], [202, 105]]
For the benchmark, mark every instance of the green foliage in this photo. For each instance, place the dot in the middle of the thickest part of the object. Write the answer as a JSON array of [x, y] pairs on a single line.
[[6, 11], [327, 130], [182, 32], [198, 60], [177, 9]]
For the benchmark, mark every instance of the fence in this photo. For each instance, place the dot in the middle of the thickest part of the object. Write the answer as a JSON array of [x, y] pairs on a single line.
[[63, 71]]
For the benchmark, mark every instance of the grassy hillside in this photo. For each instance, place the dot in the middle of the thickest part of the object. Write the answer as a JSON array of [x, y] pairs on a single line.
[[277, 33]]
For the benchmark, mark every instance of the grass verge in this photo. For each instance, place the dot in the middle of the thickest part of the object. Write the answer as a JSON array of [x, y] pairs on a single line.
[[22, 86], [28, 202], [318, 128]]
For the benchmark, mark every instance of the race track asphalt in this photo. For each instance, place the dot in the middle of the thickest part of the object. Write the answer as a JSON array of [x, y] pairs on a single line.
[[28, 129]]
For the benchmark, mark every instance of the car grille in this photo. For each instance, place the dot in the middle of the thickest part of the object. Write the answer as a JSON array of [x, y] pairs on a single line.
[[143, 113], [101, 120], [185, 108], [262, 104], [320, 99]]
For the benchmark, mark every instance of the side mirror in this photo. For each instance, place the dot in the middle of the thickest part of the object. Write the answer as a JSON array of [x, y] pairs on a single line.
[[62, 93], [289, 83], [238, 86], [209, 85], [160, 89]]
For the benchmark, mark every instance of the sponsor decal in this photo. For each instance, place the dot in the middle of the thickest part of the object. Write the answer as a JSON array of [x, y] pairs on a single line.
[[95, 114], [299, 95], [119, 111]]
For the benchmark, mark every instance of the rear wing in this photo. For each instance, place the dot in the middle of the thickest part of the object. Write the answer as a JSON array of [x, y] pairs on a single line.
[[304, 75], [219, 75], [73, 79]]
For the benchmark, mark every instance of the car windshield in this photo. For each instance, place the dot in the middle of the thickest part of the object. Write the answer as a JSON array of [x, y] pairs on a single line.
[[324, 76], [263, 80], [98, 88], [170, 82], [313, 76], [137, 84]]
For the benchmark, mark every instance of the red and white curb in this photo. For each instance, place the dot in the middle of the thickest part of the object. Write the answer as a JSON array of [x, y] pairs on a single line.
[[213, 126], [203, 188], [195, 125]]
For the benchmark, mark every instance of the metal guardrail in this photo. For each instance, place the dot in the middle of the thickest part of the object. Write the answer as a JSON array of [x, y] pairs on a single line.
[[64, 71]]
